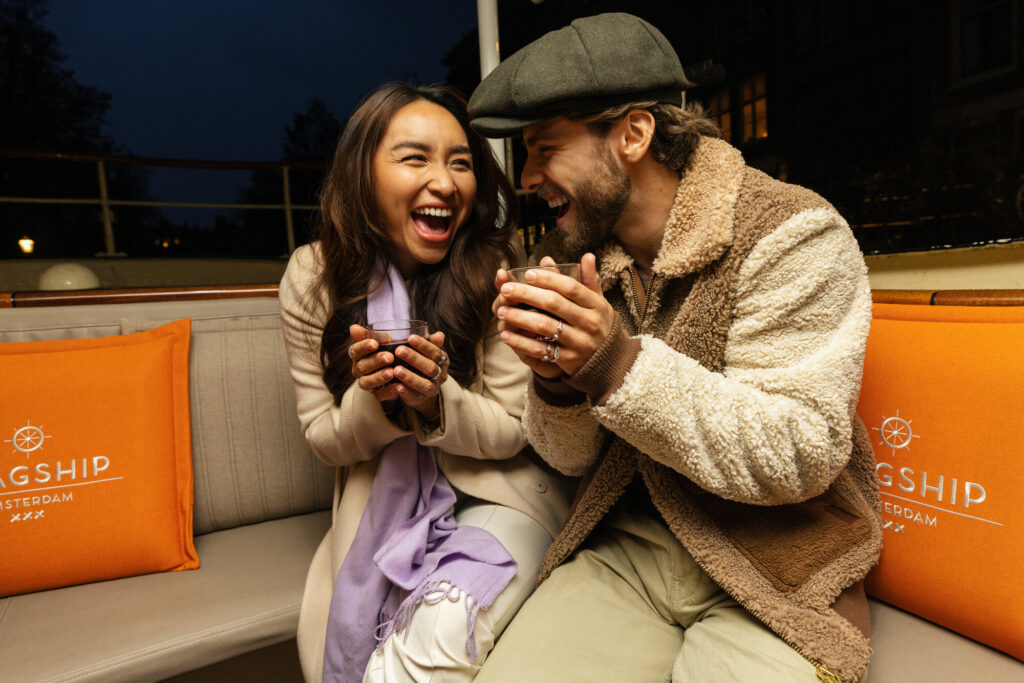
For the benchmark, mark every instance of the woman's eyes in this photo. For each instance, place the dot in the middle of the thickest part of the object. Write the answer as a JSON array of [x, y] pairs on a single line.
[[419, 159]]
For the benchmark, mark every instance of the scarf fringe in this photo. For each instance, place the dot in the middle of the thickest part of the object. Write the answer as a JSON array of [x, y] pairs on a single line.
[[430, 594]]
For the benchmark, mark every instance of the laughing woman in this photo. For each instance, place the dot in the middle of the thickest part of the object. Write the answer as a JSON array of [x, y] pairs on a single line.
[[440, 521]]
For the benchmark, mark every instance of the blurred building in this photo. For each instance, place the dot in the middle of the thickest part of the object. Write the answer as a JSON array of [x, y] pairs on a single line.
[[908, 115]]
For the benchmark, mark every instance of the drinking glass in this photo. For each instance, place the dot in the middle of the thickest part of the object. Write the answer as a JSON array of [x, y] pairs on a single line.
[[519, 275], [391, 334]]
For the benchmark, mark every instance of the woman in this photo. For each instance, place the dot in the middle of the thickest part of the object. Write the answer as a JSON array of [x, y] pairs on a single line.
[[416, 219]]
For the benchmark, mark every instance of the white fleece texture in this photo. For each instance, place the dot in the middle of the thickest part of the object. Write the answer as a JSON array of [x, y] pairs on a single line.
[[776, 426], [567, 438]]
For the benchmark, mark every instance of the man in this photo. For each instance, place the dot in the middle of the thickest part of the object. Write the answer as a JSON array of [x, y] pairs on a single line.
[[701, 377]]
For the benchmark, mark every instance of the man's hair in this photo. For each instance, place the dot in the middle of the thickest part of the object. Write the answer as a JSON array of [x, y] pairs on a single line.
[[677, 130]]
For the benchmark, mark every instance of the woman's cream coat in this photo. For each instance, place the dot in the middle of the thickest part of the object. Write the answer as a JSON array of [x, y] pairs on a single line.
[[478, 441]]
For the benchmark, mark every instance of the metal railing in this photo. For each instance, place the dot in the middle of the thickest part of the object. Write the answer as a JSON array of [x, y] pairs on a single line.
[[105, 203]]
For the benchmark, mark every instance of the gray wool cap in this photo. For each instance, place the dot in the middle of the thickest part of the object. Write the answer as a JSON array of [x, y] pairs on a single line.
[[593, 63]]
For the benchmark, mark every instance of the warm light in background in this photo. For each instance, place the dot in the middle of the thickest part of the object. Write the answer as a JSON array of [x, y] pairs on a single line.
[[27, 245]]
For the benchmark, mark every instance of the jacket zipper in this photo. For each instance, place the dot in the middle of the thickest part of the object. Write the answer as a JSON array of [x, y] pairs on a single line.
[[634, 275]]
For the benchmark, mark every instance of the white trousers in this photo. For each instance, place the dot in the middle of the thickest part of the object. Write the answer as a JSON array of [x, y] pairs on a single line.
[[433, 648]]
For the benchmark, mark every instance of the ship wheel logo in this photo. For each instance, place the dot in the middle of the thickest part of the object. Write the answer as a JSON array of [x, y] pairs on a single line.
[[896, 433], [27, 439]]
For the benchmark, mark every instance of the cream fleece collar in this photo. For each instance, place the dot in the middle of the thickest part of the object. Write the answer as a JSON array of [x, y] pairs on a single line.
[[700, 224]]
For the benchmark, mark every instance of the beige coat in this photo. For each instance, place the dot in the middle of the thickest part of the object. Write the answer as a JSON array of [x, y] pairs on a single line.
[[479, 442], [730, 389]]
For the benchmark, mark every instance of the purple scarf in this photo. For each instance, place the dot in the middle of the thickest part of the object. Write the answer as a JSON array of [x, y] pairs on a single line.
[[406, 545]]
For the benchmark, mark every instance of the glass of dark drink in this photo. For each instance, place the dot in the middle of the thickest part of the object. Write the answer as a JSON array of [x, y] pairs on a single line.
[[519, 275], [391, 334]]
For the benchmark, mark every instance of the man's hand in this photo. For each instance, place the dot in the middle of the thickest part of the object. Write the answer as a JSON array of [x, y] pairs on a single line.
[[548, 370], [586, 317]]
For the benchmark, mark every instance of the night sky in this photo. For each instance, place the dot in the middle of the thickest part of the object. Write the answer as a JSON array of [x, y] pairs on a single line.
[[220, 79]]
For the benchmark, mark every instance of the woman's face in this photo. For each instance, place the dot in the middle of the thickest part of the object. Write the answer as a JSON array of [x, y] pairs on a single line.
[[425, 186]]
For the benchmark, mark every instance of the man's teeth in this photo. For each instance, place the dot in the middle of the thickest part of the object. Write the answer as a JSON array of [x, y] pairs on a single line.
[[431, 211], [556, 202]]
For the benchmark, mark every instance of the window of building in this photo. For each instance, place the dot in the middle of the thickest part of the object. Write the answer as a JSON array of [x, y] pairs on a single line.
[[755, 108], [719, 110]]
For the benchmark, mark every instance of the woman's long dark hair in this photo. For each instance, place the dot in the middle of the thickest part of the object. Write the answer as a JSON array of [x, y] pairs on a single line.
[[454, 295]]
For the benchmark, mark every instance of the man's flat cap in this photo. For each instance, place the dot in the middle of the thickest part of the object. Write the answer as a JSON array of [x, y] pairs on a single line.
[[593, 63]]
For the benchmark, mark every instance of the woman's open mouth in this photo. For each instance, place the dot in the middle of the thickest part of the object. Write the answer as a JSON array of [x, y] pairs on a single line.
[[433, 224]]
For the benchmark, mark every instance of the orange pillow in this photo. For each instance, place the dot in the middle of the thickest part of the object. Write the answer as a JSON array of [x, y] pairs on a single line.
[[942, 402], [95, 459]]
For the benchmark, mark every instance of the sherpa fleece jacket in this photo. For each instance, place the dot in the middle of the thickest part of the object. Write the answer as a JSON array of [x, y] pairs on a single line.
[[730, 388]]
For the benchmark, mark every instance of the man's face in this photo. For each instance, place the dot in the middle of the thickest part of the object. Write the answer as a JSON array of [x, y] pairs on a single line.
[[574, 171]]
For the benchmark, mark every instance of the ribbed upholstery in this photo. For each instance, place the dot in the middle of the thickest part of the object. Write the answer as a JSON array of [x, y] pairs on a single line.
[[250, 461], [247, 468], [251, 464]]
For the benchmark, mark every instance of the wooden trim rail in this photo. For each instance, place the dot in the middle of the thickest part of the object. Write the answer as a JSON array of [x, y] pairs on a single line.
[[84, 297], [950, 297]]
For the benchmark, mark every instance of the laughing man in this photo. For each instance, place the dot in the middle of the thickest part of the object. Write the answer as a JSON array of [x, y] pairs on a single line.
[[701, 377]]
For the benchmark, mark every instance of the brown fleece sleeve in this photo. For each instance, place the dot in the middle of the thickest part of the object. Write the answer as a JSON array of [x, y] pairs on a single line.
[[555, 392], [604, 372]]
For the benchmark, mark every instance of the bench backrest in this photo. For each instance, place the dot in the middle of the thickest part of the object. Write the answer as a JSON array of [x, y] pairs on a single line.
[[250, 461]]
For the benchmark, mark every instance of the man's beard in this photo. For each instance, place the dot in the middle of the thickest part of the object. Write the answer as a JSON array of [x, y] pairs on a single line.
[[599, 201]]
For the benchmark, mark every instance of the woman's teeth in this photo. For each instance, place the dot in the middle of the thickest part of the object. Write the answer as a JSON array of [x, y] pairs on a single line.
[[431, 211]]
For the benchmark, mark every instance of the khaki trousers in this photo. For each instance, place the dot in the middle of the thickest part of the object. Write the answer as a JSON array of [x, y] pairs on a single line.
[[632, 605]]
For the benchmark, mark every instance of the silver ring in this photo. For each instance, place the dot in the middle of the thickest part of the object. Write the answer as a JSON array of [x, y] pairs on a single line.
[[558, 332], [437, 375], [547, 353], [558, 351], [444, 357]]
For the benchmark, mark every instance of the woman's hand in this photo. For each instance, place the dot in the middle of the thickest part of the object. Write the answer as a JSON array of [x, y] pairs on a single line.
[[372, 370], [419, 389]]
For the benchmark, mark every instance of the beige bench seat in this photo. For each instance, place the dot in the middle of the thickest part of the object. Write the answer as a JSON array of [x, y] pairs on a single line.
[[909, 649], [245, 596]]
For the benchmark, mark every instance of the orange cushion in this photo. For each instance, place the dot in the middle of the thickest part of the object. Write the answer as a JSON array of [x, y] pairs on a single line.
[[95, 459], [941, 399]]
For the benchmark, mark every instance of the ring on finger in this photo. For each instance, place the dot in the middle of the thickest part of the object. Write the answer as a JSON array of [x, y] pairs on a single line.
[[547, 353], [443, 358], [557, 334], [558, 351], [437, 375]]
